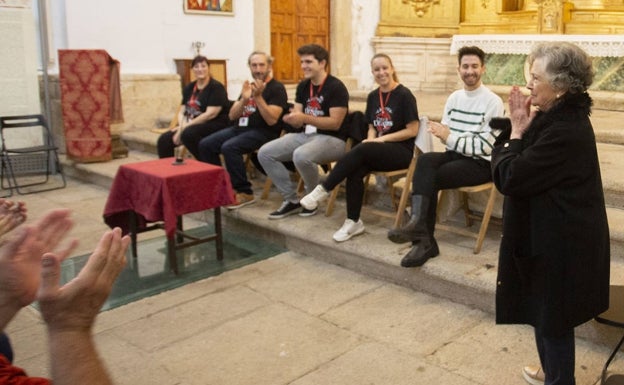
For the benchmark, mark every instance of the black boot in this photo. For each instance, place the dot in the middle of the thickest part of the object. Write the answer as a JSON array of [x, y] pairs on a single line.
[[420, 253], [416, 228]]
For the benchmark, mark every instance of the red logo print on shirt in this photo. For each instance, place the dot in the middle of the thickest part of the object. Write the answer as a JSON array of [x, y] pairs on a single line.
[[250, 107], [383, 120]]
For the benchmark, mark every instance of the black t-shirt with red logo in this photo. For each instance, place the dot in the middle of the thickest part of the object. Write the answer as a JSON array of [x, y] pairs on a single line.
[[274, 94], [399, 109], [196, 101], [331, 93]]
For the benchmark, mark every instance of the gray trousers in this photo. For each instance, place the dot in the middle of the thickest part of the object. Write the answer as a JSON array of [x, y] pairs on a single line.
[[307, 152]]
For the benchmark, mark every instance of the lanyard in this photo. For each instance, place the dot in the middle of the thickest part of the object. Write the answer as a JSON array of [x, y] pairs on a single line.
[[319, 89], [383, 103]]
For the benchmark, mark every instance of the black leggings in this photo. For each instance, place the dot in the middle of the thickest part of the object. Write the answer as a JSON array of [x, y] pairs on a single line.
[[359, 162], [190, 137], [437, 171]]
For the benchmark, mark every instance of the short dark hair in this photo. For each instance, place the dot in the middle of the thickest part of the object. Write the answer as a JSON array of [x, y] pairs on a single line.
[[472, 50], [199, 59], [316, 50]]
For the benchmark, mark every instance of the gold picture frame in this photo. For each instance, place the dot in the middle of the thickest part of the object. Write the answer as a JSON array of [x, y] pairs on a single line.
[[209, 7]]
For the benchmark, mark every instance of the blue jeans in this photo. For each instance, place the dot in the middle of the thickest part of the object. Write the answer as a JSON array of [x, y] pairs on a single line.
[[234, 143], [307, 152]]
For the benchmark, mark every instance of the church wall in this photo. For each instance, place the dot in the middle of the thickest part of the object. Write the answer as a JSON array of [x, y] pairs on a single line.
[[145, 36]]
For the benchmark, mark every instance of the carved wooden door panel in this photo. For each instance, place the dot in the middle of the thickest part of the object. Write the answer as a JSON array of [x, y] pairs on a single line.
[[293, 24]]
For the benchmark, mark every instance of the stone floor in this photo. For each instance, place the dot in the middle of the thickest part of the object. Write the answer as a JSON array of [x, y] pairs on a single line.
[[322, 313], [291, 319]]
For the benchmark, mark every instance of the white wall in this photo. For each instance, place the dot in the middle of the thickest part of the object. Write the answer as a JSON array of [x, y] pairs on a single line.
[[146, 35], [19, 91]]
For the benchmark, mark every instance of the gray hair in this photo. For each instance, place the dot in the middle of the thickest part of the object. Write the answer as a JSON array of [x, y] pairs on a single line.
[[268, 57], [568, 67]]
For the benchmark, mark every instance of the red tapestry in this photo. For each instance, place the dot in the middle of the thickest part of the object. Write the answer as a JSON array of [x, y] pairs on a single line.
[[88, 100]]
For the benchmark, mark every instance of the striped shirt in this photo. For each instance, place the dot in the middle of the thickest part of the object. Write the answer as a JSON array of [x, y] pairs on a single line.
[[467, 114]]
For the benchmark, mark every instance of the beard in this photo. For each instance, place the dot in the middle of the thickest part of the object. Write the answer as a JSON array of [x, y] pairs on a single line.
[[260, 76]]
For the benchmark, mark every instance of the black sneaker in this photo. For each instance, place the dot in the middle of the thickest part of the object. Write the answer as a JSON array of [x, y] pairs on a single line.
[[287, 208], [307, 213]]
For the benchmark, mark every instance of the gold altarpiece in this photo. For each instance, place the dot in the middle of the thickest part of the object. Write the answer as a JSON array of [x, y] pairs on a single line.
[[422, 37], [445, 18]]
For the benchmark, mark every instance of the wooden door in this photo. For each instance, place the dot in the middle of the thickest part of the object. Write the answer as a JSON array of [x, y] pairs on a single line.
[[293, 24]]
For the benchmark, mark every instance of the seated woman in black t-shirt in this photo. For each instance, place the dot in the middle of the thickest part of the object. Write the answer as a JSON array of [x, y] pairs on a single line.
[[392, 117], [205, 108]]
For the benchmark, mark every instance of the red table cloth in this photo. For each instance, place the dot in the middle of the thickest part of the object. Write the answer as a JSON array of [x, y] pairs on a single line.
[[158, 191]]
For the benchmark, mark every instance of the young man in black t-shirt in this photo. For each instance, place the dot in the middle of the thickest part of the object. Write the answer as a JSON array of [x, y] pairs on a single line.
[[321, 104]]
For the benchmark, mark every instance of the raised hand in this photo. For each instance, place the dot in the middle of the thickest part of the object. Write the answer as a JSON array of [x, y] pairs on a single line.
[[20, 258], [74, 306], [247, 91], [257, 87], [12, 214], [520, 112]]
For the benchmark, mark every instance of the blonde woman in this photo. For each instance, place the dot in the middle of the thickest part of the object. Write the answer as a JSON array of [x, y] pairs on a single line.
[[392, 117]]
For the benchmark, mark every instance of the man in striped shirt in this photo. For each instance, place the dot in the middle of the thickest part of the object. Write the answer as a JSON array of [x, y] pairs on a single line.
[[469, 140]]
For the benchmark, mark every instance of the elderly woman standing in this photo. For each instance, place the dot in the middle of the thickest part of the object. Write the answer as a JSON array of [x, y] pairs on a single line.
[[553, 270]]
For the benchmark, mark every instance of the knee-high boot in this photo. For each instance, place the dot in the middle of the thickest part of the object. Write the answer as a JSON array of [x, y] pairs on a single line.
[[416, 228]]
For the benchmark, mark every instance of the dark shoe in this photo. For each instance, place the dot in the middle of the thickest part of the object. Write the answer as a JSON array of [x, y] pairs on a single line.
[[307, 213], [420, 253], [242, 199], [287, 208], [416, 228]]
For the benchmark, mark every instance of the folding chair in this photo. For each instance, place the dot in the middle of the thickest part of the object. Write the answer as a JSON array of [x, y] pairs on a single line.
[[402, 184], [469, 215], [614, 316], [28, 138]]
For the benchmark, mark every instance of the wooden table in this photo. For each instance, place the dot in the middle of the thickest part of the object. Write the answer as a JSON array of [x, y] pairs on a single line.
[[155, 194]]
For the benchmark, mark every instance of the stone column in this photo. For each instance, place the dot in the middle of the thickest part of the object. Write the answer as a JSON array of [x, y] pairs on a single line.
[[340, 55]]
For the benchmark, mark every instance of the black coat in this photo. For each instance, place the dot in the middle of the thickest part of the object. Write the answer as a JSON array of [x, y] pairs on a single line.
[[553, 270]]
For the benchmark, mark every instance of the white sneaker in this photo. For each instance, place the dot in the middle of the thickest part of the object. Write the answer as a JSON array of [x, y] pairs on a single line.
[[349, 229], [312, 200]]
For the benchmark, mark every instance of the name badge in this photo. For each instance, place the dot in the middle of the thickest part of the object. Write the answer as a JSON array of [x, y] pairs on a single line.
[[243, 121], [310, 129]]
